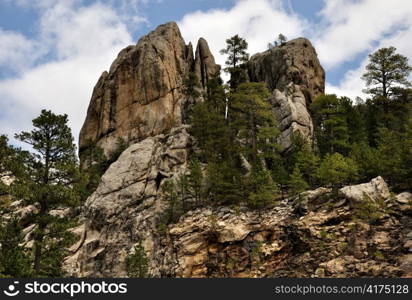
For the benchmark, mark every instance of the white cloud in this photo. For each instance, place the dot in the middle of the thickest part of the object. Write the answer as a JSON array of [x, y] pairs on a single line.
[[360, 27], [16, 51], [82, 42], [352, 27], [258, 21]]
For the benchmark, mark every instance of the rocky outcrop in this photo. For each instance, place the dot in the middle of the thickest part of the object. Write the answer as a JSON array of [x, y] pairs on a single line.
[[205, 66], [377, 190], [142, 95], [292, 114], [126, 207], [293, 73], [330, 237]]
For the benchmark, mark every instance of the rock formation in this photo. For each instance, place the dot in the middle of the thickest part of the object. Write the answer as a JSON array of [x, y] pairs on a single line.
[[142, 94], [293, 73], [323, 235], [318, 234], [126, 207]]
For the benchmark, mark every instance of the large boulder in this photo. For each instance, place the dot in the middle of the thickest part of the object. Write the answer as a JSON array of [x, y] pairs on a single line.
[[293, 73], [376, 190], [142, 94]]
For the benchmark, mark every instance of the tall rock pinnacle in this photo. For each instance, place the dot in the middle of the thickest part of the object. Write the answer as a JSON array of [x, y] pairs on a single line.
[[142, 94], [293, 73]]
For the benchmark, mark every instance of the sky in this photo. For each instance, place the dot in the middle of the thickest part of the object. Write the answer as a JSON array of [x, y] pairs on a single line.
[[52, 52]]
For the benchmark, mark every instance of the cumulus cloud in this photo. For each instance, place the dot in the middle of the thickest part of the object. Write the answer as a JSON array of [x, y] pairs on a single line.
[[258, 21], [82, 41], [17, 53], [353, 28]]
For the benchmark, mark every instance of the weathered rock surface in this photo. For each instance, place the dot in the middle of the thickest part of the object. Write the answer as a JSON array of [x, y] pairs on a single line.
[[293, 73], [142, 94], [127, 205], [327, 240], [205, 66], [292, 114], [377, 190]]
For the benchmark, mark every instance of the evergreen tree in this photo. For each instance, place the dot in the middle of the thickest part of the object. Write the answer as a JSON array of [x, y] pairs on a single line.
[[386, 70], [224, 183], [261, 188], [390, 149], [407, 154], [367, 159], [191, 86], [237, 58], [301, 156], [296, 182], [93, 167], [183, 194], [281, 39], [138, 263], [14, 257], [171, 197], [254, 121], [331, 126], [48, 181], [336, 170], [195, 180]]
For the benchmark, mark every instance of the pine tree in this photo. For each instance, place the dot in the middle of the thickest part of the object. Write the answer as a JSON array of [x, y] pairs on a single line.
[[296, 182], [224, 183], [237, 58], [331, 126], [336, 170], [281, 39], [261, 188], [386, 70], [170, 196], [14, 257], [390, 165], [195, 180], [254, 121], [94, 164], [138, 263], [48, 181], [191, 86]]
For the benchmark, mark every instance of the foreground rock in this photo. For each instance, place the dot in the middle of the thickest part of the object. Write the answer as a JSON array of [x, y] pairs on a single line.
[[293, 73], [142, 94], [329, 238]]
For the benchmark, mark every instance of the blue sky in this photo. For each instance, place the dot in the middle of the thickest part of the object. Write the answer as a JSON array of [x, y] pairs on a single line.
[[53, 51]]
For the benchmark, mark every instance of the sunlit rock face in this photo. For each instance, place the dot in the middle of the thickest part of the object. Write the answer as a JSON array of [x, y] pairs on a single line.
[[142, 94], [293, 73]]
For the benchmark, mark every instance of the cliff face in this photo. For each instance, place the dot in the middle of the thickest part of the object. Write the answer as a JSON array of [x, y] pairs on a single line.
[[318, 234], [293, 73], [142, 94]]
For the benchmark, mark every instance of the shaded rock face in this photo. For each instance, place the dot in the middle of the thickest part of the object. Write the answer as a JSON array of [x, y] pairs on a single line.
[[293, 73], [126, 207], [325, 239], [204, 66], [142, 95]]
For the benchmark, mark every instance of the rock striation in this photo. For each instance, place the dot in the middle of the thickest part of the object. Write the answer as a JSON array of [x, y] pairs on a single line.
[[293, 73], [142, 94]]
